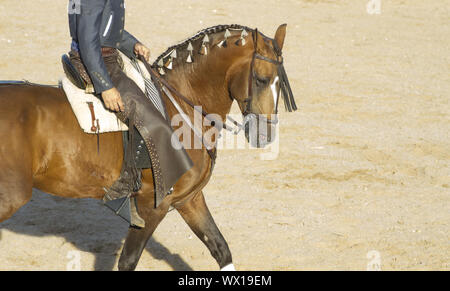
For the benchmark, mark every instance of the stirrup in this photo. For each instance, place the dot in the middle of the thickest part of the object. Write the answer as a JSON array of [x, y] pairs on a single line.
[[126, 208]]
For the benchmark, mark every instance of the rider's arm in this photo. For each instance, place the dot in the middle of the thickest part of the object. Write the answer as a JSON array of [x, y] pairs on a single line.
[[88, 29], [127, 44]]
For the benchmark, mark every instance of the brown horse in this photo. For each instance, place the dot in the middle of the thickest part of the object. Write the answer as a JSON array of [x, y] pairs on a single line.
[[43, 146]]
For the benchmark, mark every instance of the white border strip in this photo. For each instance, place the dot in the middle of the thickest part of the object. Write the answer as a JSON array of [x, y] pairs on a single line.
[[228, 268], [108, 25]]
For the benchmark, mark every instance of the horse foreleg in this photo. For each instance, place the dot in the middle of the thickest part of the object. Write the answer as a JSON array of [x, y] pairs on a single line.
[[197, 216], [137, 238], [16, 182], [13, 195]]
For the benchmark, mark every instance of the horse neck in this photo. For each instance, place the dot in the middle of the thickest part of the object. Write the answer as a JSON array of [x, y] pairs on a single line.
[[205, 82]]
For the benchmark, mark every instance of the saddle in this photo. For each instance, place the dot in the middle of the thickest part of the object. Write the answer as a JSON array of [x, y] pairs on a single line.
[[89, 110], [74, 75], [76, 71]]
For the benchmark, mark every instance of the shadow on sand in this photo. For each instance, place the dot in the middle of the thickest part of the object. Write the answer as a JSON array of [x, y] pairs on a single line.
[[87, 225]]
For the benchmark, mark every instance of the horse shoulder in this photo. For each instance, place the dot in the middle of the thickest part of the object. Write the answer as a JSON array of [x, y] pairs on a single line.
[[195, 179]]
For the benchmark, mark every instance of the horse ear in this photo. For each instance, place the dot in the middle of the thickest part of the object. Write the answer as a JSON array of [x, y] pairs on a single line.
[[280, 35]]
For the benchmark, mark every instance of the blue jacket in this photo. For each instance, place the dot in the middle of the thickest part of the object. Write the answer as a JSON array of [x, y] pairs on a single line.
[[95, 24]]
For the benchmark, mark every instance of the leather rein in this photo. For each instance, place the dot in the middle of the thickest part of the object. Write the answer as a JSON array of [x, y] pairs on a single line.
[[156, 76]]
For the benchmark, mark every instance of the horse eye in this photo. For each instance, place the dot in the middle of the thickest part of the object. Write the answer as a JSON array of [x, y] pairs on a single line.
[[261, 81]]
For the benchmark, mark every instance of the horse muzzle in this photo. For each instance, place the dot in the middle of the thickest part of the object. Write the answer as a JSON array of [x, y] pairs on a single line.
[[259, 131]]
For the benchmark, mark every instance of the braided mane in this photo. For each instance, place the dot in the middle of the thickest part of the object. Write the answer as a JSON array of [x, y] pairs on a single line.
[[200, 35]]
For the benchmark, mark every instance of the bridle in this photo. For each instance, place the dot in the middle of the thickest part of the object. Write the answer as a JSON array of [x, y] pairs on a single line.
[[285, 87]]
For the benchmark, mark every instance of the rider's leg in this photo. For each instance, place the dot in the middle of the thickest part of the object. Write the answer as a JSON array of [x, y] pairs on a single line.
[[168, 163]]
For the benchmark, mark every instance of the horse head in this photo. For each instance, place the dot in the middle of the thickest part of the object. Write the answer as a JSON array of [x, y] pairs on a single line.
[[232, 62], [256, 86]]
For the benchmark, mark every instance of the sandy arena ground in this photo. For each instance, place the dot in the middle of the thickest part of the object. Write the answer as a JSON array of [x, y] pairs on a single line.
[[363, 173]]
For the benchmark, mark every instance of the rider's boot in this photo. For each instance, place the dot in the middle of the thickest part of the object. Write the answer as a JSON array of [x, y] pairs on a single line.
[[121, 196]]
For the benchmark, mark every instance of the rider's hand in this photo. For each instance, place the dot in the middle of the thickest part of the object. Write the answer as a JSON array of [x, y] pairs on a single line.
[[112, 100], [142, 50]]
